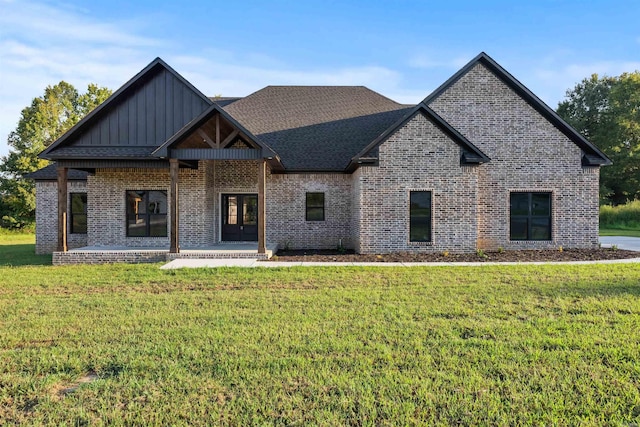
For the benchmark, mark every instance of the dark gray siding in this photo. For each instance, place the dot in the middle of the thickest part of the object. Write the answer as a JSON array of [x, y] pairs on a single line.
[[151, 113]]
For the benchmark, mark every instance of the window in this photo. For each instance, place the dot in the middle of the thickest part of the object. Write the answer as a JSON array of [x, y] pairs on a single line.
[[147, 213], [315, 206], [420, 216], [78, 218], [530, 216]]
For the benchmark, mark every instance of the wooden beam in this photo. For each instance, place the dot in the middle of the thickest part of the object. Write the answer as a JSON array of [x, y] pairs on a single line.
[[174, 168], [62, 209], [229, 139], [217, 130], [262, 181], [208, 140]]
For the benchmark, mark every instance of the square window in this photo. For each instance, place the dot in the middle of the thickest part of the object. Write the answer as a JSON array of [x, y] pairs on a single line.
[[147, 213], [530, 216]]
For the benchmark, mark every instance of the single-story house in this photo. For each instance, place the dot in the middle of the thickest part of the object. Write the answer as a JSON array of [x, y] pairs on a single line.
[[480, 163]]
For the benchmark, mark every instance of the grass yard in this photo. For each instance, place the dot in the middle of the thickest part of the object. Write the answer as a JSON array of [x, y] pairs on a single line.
[[19, 249], [131, 344], [619, 232], [622, 220]]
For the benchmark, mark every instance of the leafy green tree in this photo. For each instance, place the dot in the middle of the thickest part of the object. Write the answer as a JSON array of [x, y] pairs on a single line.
[[606, 110], [40, 124]]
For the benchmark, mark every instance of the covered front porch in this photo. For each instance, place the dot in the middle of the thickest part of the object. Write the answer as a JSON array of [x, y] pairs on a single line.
[[115, 254], [205, 188]]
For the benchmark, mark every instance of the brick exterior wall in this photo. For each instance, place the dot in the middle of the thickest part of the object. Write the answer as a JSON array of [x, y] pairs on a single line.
[[47, 216], [527, 154], [199, 202], [369, 210], [286, 211], [106, 206], [228, 177], [419, 156]]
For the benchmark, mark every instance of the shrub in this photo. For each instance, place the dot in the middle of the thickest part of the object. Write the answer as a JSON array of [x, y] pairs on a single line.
[[625, 216]]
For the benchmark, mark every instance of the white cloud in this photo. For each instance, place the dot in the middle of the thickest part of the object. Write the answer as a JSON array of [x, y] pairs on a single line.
[[41, 45], [551, 82]]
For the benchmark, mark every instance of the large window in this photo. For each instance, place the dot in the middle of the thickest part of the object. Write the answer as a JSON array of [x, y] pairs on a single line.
[[530, 216], [146, 213], [315, 207], [420, 216], [78, 218]]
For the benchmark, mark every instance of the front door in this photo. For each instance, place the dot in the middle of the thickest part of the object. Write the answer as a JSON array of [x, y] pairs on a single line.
[[240, 217]]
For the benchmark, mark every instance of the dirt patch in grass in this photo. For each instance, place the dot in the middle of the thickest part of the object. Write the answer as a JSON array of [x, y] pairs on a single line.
[[497, 256], [61, 390]]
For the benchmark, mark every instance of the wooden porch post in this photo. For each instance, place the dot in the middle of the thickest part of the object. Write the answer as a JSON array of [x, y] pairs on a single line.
[[62, 209], [262, 179], [175, 215]]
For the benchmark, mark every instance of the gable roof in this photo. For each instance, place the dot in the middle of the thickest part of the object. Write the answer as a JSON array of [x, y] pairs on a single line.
[[316, 128], [593, 156], [298, 128], [190, 127], [145, 96], [470, 153]]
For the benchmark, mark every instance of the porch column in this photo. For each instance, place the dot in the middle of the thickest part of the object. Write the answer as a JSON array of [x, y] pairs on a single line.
[[175, 215], [62, 209], [262, 180]]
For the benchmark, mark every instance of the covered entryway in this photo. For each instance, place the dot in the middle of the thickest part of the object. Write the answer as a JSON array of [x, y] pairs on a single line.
[[239, 218], [216, 136]]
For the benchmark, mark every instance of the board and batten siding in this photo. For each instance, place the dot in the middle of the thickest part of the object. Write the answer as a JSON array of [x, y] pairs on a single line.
[[153, 112]]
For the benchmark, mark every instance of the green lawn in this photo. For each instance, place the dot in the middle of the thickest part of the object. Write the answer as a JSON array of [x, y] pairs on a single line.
[[518, 345], [18, 249], [619, 232]]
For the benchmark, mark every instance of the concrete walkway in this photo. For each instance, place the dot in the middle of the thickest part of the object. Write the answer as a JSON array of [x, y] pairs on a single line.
[[215, 263], [627, 243], [622, 242]]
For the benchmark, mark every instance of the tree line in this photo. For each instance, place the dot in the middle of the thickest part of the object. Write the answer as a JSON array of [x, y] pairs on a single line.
[[606, 110], [46, 119]]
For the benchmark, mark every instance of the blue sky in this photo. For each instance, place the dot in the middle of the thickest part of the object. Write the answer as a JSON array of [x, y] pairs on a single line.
[[402, 49]]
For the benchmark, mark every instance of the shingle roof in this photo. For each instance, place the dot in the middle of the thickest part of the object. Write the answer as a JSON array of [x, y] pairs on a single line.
[[316, 127], [224, 100], [50, 173]]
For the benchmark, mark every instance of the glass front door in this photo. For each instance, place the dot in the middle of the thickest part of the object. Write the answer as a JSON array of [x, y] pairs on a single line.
[[240, 217]]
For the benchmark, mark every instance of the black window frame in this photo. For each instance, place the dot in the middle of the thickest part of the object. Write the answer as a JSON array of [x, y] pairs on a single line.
[[314, 207], [148, 215], [73, 214], [530, 216], [415, 221]]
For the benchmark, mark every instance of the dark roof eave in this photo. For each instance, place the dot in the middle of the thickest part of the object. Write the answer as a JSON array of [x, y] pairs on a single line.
[[137, 158], [312, 171]]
